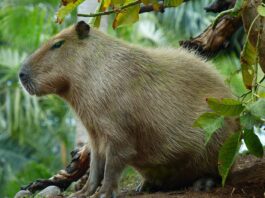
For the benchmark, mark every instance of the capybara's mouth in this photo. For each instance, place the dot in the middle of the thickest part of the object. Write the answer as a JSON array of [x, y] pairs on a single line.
[[29, 87]]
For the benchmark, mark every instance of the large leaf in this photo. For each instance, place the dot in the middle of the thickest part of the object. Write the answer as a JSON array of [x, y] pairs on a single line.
[[227, 154], [253, 143], [209, 122], [258, 108], [173, 3], [248, 59], [226, 106], [67, 7], [127, 16]]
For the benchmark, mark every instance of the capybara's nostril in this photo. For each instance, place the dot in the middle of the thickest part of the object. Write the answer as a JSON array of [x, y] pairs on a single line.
[[23, 76]]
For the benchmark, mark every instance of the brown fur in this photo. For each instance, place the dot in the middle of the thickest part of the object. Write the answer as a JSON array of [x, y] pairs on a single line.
[[138, 105]]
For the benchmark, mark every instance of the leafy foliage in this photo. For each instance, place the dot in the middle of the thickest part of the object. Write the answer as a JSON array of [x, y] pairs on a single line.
[[126, 11]]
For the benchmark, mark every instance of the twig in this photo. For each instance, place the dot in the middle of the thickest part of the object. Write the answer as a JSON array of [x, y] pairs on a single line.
[[243, 96], [143, 9], [111, 11]]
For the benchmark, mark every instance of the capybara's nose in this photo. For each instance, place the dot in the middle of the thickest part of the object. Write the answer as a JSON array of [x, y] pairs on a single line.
[[23, 76]]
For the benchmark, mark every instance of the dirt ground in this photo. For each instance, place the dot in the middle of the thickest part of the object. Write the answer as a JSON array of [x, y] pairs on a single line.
[[249, 189]]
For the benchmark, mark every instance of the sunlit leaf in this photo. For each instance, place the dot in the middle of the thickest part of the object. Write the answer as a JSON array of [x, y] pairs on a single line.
[[67, 7], [248, 59], [227, 154], [128, 16], [209, 122], [253, 143], [261, 10], [226, 106]]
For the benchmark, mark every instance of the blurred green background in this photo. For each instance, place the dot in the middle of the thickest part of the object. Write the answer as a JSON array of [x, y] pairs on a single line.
[[37, 134]]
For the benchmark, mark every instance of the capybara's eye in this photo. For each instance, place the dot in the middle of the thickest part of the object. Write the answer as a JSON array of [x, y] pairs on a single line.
[[57, 44]]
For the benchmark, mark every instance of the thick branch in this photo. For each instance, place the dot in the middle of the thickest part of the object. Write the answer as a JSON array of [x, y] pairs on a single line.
[[212, 40], [78, 166], [248, 170]]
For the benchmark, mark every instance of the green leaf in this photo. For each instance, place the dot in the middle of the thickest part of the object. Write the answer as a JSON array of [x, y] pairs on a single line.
[[248, 121], [261, 10], [66, 8], [225, 107], [172, 3], [128, 16], [209, 122], [248, 60], [258, 108], [227, 154], [253, 143]]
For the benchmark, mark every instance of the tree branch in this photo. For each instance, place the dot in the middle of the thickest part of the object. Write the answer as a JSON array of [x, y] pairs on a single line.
[[143, 9], [212, 40]]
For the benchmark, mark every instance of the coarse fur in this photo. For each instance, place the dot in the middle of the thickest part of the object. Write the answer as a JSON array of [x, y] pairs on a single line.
[[138, 105]]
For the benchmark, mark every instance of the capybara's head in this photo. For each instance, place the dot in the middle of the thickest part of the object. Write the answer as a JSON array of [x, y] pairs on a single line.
[[58, 63]]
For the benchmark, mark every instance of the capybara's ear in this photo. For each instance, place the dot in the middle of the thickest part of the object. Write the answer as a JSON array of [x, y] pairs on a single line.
[[82, 29]]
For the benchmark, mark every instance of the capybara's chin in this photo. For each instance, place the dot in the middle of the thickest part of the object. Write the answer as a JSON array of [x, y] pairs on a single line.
[[58, 86], [29, 87]]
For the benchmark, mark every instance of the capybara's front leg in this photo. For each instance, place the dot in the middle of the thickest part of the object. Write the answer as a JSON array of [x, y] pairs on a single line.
[[115, 163]]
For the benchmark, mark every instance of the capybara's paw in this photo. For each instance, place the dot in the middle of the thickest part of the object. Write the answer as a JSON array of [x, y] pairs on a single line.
[[84, 192], [107, 194], [78, 194], [204, 184]]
